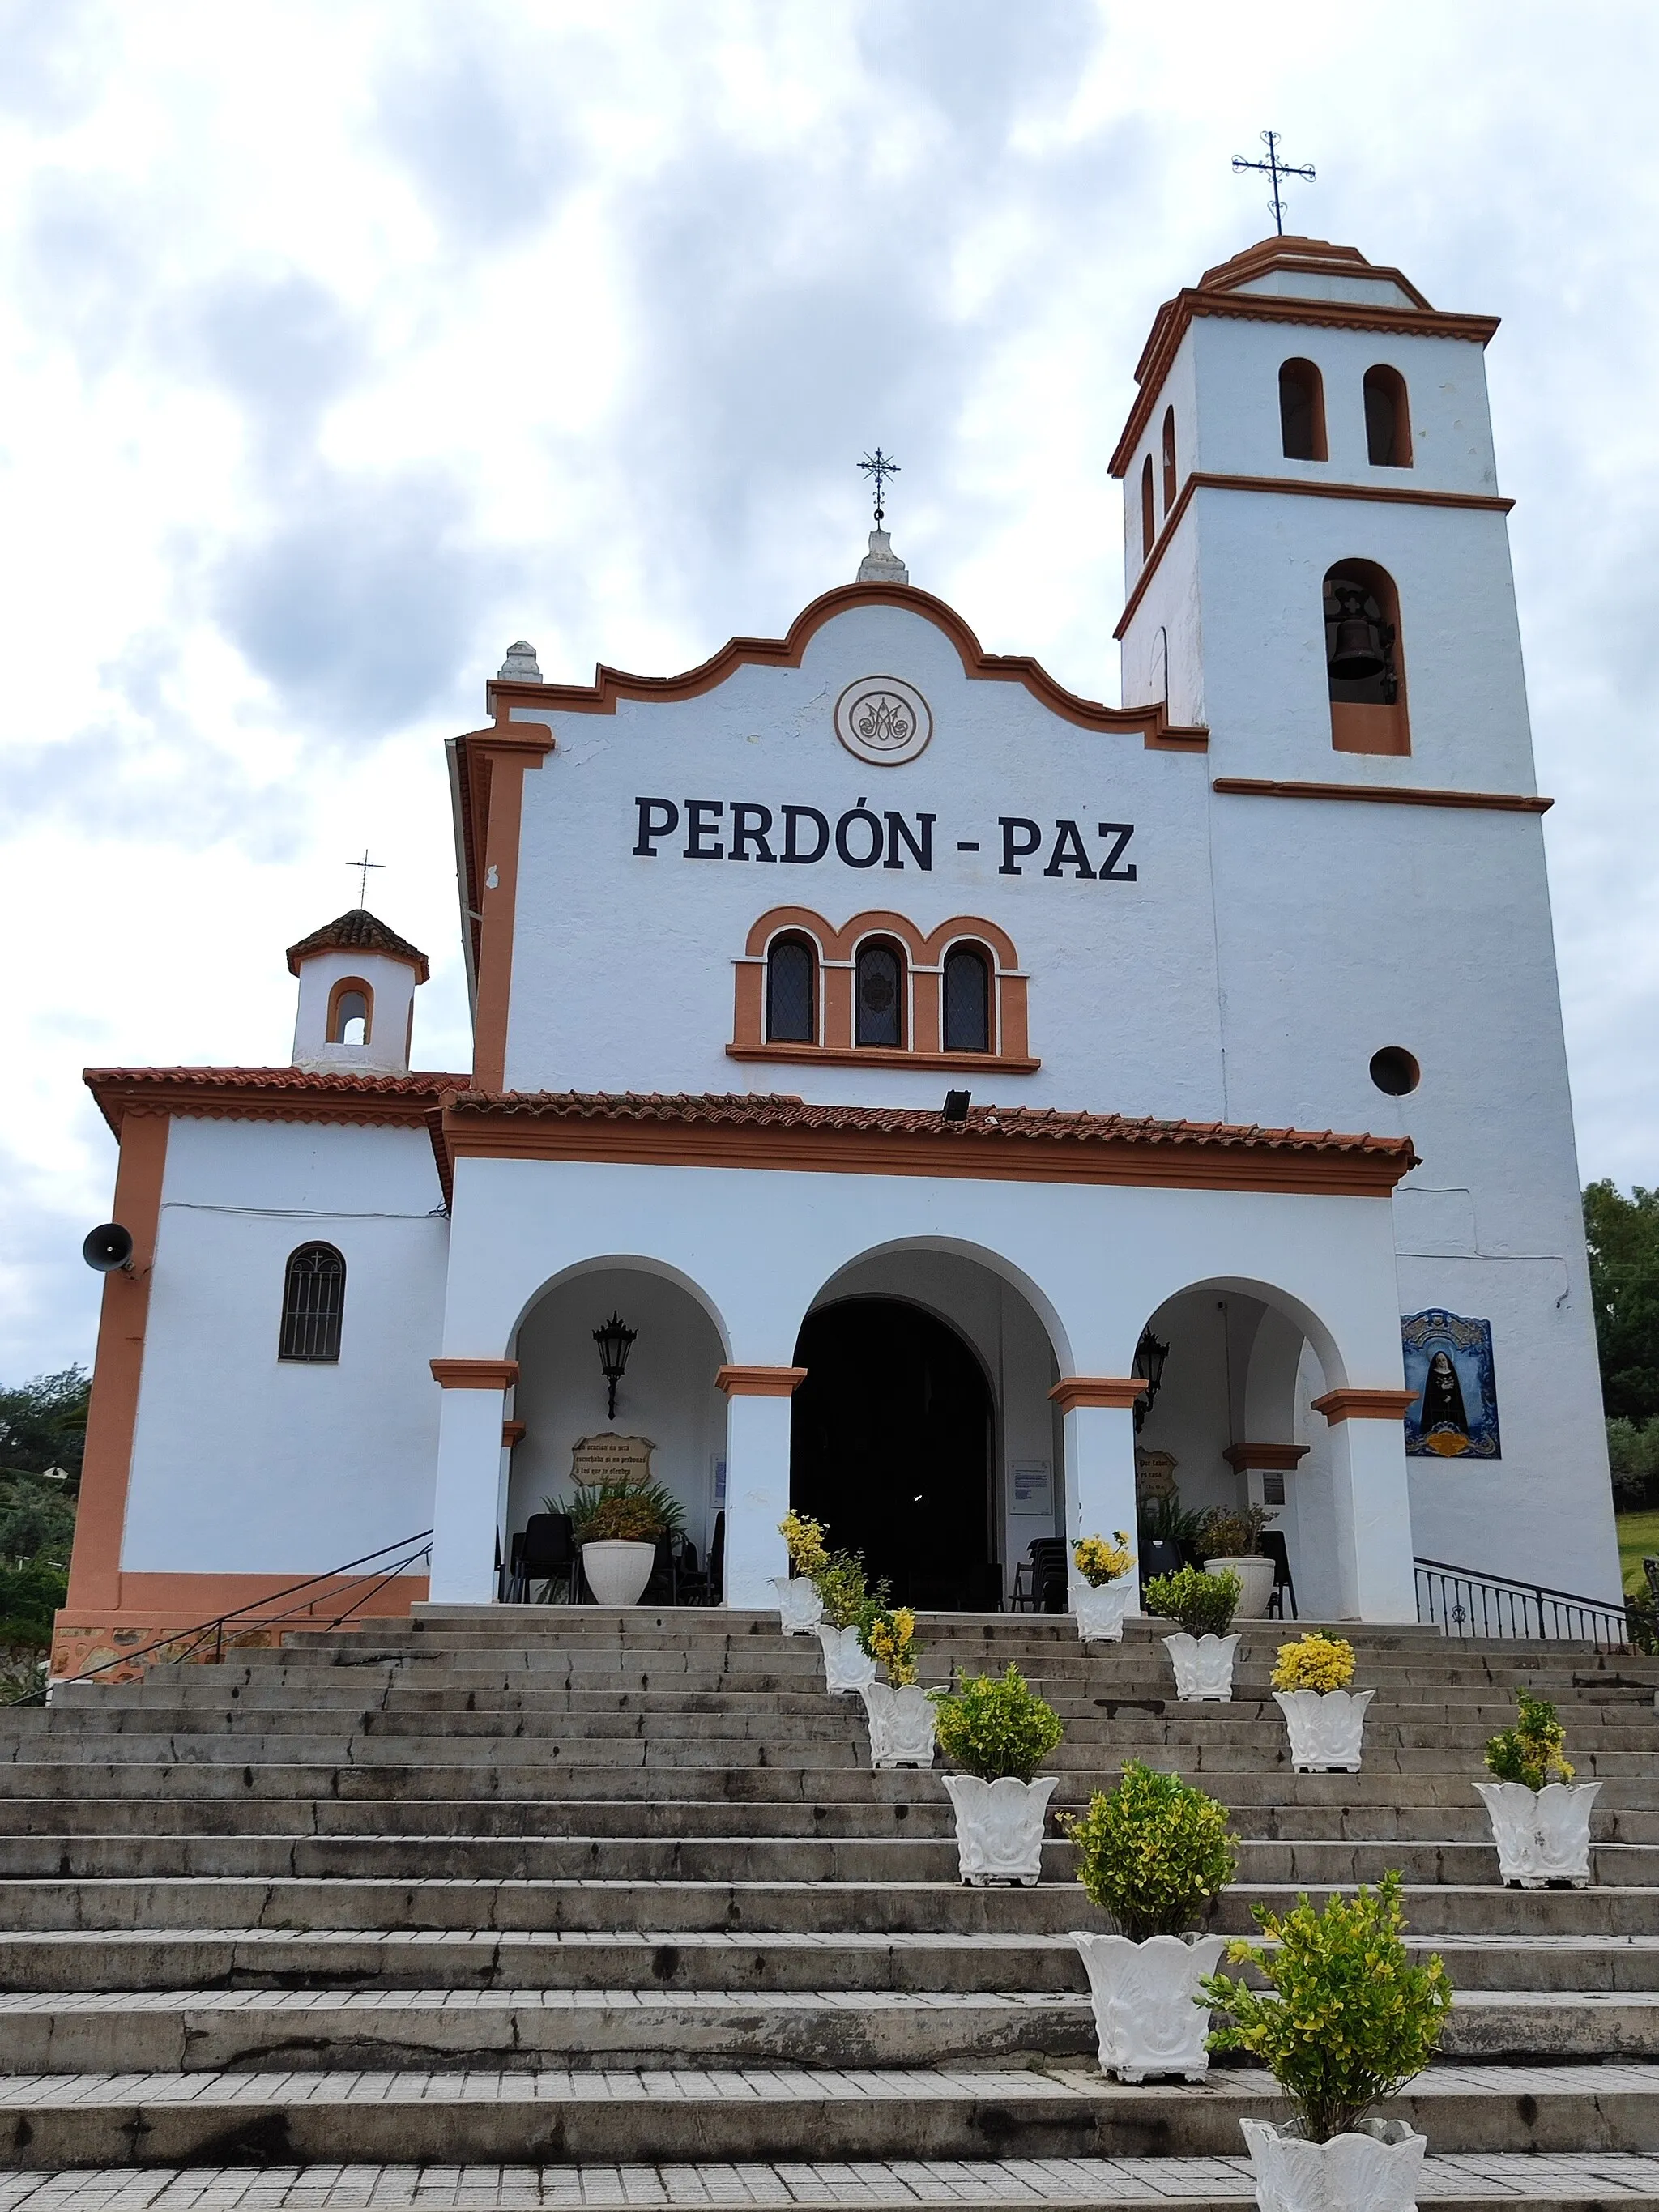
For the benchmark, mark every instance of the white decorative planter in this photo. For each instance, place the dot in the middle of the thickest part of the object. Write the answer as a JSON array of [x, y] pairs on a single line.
[[1000, 1826], [900, 1724], [1542, 1835], [1376, 2169], [1145, 2019], [1255, 1584], [1324, 1727], [800, 1606], [847, 1665], [617, 1572], [1203, 1665], [1100, 1609]]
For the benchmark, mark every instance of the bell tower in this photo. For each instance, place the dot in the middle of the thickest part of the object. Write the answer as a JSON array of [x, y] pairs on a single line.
[[357, 985]]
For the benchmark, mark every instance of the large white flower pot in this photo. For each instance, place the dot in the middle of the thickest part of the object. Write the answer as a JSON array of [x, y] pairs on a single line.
[[1376, 2169], [1542, 1835], [847, 1665], [1100, 1609], [1000, 1826], [799, 1607], [1203, 1665], [1145, 2019], [1324, 1727], [902, 1721], [1255, 1584], [617, 1572]]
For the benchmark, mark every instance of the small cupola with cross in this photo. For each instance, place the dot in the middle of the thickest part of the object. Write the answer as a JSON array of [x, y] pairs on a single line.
[[357, 984]]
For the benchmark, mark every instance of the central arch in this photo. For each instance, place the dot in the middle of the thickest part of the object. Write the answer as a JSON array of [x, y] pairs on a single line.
[[893, 1444]]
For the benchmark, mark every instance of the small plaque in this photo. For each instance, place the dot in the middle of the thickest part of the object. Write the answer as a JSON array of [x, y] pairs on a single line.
[[1031, 1488], [611, 1458]]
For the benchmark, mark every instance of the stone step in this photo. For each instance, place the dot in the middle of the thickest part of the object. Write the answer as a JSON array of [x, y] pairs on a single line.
[[1487, 2182], [766, 2114], [198, 2031]]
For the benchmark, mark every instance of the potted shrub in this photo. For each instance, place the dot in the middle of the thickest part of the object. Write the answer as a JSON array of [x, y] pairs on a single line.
[[1345, 2019], [799, 1607], [619, 1522], [1156, 1854], [1202, 1654], [900, 1713], [998, 1731], [841, 1586], [1539, 1818], [1324, 1717], [1230, 1543], [1102, 1598]]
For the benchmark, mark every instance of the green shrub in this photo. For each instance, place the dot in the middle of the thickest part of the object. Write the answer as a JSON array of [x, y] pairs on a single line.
[[991, 1725], [1155, 1853], [840, 1581], [1203, 1603], [1641, 1624], [1166, 1520], [29, 1595], [621, 1512], [1534, 1751], [1226, 1535], [1346, 2018]]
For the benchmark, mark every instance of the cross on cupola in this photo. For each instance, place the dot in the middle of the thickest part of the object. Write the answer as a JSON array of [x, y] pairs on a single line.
[[881, 565], [1273, 167], [878, 467], [362, 867]]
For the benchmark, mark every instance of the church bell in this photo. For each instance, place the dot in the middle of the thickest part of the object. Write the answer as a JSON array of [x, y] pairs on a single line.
[[1357, 650]]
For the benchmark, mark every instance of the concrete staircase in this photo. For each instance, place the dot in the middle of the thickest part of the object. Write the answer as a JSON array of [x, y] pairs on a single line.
[[552, 1906]]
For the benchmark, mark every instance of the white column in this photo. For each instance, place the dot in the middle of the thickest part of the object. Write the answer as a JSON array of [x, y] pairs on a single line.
[[757, 1479], [1371, 1499], [467, 1499], [1100, 1457]]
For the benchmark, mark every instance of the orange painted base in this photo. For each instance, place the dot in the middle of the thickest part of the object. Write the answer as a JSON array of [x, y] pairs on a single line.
[[137, 1637]]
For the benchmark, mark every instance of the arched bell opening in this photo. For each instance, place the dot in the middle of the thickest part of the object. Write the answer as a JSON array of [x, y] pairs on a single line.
[[1364, 660], [923, 1434]]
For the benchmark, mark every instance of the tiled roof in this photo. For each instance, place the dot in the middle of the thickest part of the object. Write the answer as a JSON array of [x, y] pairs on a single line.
[[359, 931], [240, 1092]]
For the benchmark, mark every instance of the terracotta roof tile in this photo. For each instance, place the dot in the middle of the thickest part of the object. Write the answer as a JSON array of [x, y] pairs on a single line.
[[241, 1092], [358, 931]]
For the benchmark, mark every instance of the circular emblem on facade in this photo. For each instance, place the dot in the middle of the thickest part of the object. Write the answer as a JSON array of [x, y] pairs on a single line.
[[883, 721]]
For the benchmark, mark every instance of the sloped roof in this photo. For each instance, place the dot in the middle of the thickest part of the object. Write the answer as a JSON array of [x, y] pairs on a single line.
[[357, 931]]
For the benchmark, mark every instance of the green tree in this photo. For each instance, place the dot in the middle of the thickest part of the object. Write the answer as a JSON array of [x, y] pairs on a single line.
[[1623, 1235], [42, 1424]]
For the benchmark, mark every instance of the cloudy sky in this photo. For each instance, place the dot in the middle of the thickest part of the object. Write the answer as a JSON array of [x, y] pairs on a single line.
[[344, 341]]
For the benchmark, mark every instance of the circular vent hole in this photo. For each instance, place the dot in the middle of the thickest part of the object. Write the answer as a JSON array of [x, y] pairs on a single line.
[[1394, 1070]]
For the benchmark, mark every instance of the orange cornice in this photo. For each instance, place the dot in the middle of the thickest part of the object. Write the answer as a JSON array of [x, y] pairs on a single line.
[[1365, 1404], [1305, 487], [1003, 1145], [474, 1374], [1384, 794], [1274, 1458], [866, 1055], [759, 1381], [1117, 1392]]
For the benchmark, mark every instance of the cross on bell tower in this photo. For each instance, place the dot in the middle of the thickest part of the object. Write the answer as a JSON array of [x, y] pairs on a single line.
[[1273, 167]]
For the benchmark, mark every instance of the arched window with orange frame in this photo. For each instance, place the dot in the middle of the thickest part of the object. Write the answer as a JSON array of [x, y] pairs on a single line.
[[1388, 418], [1364, 661], [1169, 458], [350, 1011], [1148, 509], [1302, 411]]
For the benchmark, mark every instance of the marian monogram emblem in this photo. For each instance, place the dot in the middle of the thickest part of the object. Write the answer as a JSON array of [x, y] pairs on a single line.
[[883, 721]]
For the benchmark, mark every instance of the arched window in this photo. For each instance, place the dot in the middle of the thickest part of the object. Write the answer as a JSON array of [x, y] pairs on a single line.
[[791, 992], [1148, 515], [967, 1001], [880, 996], [1388, 419], [1302, 411], [313, 1299], [1169, 459], [350, 1011], [1364, 670]]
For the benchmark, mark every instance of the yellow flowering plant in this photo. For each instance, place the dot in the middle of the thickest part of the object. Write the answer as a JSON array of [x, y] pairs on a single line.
[[1345, 2018], [1099, 1562], [1535, 1751], [1155, 1852], [1317, 1662], [804, 1540], [887, 1635]]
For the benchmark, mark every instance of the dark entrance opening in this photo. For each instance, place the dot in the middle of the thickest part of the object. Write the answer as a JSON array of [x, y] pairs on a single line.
[[891, 1446]]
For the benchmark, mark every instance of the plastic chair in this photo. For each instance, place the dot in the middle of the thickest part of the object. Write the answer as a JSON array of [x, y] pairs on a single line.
[[545, 1551], [1159, 1556], [1272, 1541]]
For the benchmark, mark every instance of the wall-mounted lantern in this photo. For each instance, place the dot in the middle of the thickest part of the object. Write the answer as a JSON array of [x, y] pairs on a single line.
[[615, 1340], [1149, 1356]]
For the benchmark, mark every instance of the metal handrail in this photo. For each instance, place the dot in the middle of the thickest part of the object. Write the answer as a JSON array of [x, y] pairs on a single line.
[[196, 1636], [1467, 1603]]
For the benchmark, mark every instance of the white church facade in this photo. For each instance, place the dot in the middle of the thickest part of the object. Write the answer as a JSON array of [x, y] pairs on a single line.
[[1249, 984]]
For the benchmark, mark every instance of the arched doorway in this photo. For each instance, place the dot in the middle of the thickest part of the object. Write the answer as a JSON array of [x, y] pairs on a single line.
[[891, 1445]]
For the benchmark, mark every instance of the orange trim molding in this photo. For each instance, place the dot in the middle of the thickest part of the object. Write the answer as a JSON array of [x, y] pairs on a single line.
[[494, 762], [1365, 1404], [475, 1374], [867, 1055], [1383, 794], [513, 1432], [759, 1381], [1118, 1392], [1274, 1459]]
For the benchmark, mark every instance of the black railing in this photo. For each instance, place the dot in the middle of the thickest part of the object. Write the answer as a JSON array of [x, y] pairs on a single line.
[[183, 1644], [1467, 1604]]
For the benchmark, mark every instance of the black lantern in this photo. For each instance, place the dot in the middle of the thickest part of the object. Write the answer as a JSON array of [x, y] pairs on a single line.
[[614, 1341], [1149, 1356]]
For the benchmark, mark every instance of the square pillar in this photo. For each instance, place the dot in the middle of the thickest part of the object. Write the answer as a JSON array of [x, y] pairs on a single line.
[[1376, 1565], [466, 1502], [757, 1479], [1099, 1429]]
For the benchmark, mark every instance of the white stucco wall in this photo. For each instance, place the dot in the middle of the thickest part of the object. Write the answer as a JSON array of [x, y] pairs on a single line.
[[243, 1463]]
